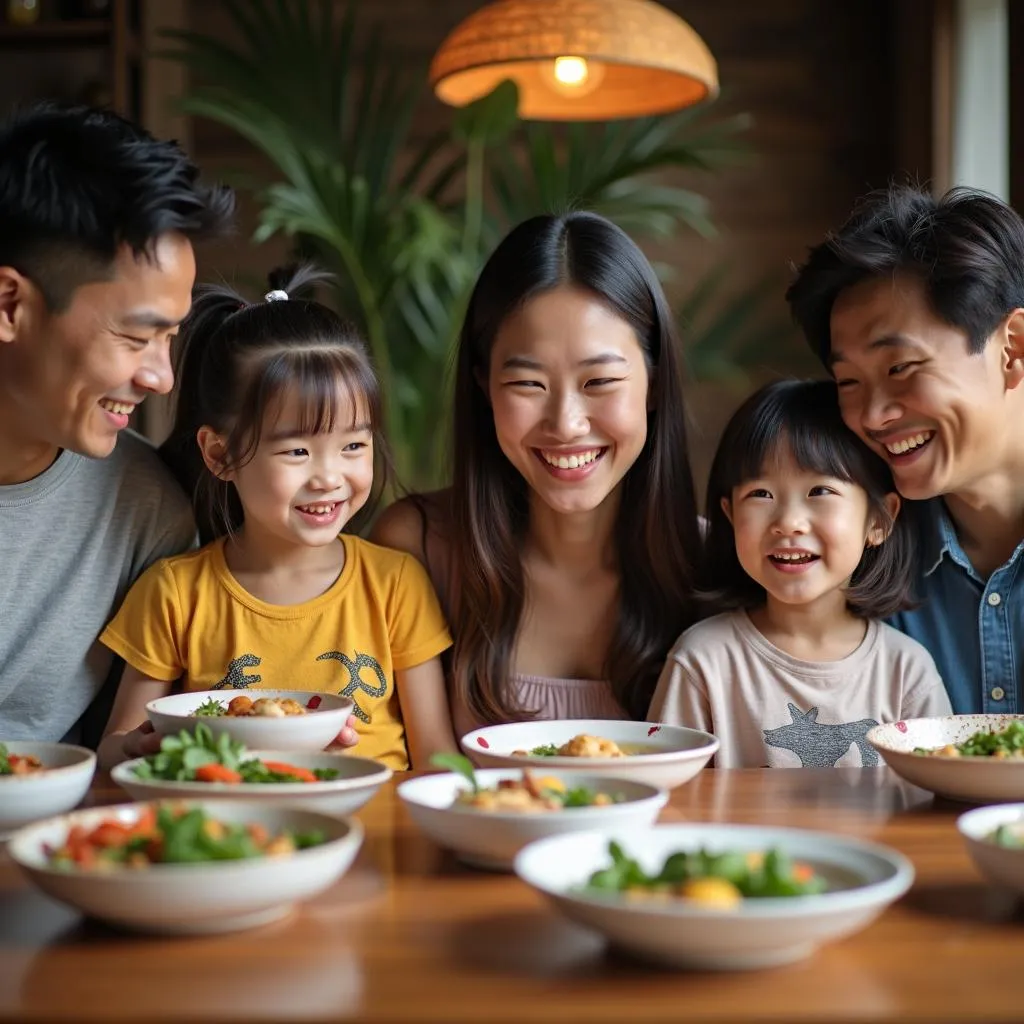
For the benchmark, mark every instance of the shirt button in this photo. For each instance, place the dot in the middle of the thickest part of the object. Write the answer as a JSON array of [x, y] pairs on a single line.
[[998, 693], [994, 599]]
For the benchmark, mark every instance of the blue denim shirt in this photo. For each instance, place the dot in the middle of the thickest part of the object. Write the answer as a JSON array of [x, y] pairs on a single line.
[[974, 628]]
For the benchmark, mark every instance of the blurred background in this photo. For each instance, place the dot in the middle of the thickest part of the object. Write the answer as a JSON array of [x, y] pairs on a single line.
[[324, 117]]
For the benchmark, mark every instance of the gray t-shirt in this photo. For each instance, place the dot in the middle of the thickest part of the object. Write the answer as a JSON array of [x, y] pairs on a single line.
[[771, 710], [72, 541]]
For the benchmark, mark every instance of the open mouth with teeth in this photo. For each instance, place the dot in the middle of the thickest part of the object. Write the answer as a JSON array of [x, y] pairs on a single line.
[[117, 408], [577, 460], [320, 509], [907, 445], [786, 558]]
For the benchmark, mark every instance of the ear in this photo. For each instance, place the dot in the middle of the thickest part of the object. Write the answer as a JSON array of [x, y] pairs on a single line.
[[16, 295], [214, 452], [878, 532], [727, 509], [1013, 349]]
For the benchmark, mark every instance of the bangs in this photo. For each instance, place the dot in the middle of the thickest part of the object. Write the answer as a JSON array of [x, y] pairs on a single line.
[[802, 422], [324, 388]]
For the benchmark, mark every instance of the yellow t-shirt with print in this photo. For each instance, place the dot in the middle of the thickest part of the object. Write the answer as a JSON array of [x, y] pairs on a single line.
[[187, 618]]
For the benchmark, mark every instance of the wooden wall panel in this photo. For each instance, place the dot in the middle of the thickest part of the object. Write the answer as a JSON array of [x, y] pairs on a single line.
[[832, 88]]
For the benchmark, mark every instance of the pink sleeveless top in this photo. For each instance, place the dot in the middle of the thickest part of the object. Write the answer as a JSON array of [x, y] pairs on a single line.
[[555, 698]]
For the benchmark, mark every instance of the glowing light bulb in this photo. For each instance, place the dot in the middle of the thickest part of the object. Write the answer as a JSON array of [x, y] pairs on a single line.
[[571, 71], [573, 77]]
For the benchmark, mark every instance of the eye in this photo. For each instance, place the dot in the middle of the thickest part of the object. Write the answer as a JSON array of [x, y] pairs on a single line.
[[845, 382], [355, 446], [821, 490], [295, 453], [600, 382], [533, 384], [758, 492], [899, 368], [141, 342]]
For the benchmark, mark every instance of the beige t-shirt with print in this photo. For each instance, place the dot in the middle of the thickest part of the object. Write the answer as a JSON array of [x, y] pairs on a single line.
[[771, 710]]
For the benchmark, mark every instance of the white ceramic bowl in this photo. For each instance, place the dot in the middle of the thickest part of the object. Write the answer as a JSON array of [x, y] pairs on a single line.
[[491, 840], [25, 798], [193, 899], [999, 864], [975, 779], [864, 878], [312, 731], [359, 779], [677, 754]]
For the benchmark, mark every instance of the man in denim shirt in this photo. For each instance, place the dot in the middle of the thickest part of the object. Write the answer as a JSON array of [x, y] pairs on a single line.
[[916, 306]]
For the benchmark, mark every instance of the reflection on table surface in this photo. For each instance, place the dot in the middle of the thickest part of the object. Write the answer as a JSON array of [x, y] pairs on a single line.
[[411, 934]]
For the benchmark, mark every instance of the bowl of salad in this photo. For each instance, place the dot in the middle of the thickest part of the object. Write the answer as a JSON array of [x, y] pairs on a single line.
[[994, 837], [186, 867], [486, 816], [38, 780], [196, 764], [716, 897], [263, 719], [974, 758], [661, 755]]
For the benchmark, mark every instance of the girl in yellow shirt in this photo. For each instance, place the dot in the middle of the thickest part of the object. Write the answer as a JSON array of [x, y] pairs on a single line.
[[278, 422]]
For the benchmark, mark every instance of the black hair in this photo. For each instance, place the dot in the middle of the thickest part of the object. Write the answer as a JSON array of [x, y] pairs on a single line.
[[77, 183], [802, 418], [967, 249], [656, 536], [238, 359]]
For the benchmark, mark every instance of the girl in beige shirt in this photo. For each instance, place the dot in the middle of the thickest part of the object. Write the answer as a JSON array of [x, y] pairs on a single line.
[[806, 552]]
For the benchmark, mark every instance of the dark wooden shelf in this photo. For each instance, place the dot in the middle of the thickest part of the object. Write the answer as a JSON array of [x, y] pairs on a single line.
[[87, 31]]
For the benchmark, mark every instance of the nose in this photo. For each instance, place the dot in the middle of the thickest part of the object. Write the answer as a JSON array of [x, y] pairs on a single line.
[[156, 374], [567, 416], [327, 474], [878, 411], [790, 519]]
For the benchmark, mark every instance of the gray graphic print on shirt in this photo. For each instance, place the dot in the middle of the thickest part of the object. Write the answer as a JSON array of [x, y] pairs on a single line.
[[235, 678], [819, 745]]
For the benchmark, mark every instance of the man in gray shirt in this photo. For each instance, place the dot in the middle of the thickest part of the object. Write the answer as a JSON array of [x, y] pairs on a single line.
[[97, 221]]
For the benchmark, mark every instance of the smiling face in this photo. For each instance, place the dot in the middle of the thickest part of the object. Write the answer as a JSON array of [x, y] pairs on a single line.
[[910, 388], [300, 488], [568, 386], [801, 534], [72, 379]]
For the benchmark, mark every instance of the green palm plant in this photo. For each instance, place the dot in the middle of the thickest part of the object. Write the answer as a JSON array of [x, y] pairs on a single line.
[[404, 224]]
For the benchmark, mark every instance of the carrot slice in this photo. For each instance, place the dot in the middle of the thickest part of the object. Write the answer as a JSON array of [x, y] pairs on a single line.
[[216, 773], [110, 834], [302, 774], [145, 824]]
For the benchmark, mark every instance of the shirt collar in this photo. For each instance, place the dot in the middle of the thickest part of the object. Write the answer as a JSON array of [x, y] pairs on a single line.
[[941, 539]]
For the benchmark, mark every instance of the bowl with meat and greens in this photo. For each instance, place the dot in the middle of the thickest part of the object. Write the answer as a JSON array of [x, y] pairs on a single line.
[[661, 755], [41, 779], [261, 719], [716, 897], [186, 867], [973, 758], [485, 816], [195, 763]]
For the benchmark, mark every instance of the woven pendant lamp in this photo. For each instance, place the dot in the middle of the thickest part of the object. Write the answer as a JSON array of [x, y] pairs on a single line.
[[577, 60]]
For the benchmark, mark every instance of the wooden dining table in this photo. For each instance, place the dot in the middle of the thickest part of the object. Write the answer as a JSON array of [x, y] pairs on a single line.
[[409, 934]]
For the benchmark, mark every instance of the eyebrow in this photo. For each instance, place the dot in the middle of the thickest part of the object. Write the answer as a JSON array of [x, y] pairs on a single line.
[[147, 318], [525, 363], [886, 341], [290, 432]]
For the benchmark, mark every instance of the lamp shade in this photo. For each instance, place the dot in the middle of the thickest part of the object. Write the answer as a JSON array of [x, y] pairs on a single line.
[[577, 60]]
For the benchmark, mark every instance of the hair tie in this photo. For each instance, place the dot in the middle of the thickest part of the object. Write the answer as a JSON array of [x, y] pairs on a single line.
[[277, 295]]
